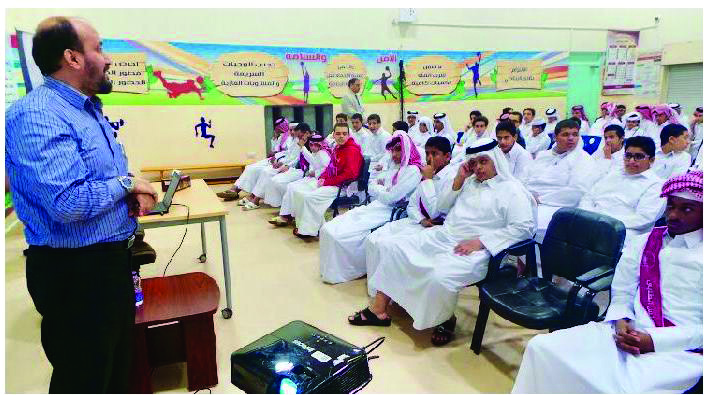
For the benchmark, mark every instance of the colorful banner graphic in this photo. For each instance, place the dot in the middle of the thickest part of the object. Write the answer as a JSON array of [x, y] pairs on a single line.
[[621, 56], [519, 75], [127, 73], [179, 73]]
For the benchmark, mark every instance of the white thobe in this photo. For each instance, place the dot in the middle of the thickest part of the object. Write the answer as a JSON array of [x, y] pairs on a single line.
[[559, 180], [248, 178], [378, 150], [342, 252], [633, 199], [525, 129], [423, 274], [550, 127], [585, 128], [276, 187], [538, 143], [352, 104], [598, 127], [671, 164], [362, 137], [426, 195], [585, 359], [520, 161], [603, 165], [696, 142], [636, 131], [468, 139], [419, 138], [290, 159]]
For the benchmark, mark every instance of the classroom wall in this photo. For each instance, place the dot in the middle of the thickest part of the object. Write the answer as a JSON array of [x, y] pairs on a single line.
[[151, 133], [443, 29]]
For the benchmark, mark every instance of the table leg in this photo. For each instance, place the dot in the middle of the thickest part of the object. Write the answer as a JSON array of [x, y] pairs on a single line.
[[226, 313], [203, 257]]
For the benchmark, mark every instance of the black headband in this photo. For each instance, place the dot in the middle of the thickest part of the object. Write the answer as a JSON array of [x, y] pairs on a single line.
[[316, 139], [280, 121], [439, 115], [485, 147]]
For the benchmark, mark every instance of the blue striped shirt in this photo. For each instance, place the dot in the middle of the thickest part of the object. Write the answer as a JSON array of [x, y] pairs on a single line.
[[63, 162]]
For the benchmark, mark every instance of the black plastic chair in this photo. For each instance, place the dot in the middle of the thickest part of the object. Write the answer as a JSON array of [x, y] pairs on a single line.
[[580, 246], [362, 185]]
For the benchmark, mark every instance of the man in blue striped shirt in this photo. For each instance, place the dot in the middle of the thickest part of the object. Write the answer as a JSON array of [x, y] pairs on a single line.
[[78, 202]]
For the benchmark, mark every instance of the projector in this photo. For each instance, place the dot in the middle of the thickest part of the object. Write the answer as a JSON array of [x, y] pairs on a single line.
[[299, 359]]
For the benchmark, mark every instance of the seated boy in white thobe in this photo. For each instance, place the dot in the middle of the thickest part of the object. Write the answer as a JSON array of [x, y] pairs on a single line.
[[423, 209], [301, 134], [489, 211], [672, 159], [310, 201], [649, 340], [519, 159], [610, 155], [538, 140], [631, 193], [559, 177], [282, 139], [315, 156], [342, 253]]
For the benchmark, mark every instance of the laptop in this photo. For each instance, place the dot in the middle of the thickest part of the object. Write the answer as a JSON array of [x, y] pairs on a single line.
[[163, 207]]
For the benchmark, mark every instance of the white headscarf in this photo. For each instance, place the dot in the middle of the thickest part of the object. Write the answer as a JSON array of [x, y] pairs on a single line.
[[426, 121], [489, 147], [486, 146], [447, 128], [416, 122]]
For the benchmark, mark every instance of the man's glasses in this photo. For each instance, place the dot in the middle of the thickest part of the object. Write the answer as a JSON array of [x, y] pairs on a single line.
[[637, 156]]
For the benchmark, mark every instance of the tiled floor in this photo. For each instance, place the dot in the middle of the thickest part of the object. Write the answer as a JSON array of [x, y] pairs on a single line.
[[275, 280]]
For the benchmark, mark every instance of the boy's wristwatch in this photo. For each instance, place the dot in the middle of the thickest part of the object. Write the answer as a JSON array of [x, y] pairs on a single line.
[[127, 182]]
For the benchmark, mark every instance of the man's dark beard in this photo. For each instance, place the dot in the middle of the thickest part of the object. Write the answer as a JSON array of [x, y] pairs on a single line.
[[104, 86]]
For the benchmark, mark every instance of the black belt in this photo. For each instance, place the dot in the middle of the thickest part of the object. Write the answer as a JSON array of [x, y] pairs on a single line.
[[110, 245]]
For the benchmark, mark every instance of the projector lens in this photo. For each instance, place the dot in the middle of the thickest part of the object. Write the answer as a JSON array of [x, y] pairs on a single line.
[[288, 387]]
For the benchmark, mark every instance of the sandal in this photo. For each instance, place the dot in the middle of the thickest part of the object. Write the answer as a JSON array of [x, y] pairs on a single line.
[[443, 334], [242, 201], [250, 206], [229, 193], [370, 319], [278, 221]]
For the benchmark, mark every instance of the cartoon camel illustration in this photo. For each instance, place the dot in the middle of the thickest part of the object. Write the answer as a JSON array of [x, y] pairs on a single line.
[[175, 89]]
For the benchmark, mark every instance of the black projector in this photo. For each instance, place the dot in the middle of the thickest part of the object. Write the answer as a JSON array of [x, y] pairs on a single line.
[[299, 359]]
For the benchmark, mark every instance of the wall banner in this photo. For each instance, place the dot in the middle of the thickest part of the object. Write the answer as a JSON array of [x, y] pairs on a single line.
[[180, 73]]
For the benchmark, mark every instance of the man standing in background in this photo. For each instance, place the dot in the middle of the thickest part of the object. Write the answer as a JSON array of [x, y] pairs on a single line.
[[73, 192], [351, 101]]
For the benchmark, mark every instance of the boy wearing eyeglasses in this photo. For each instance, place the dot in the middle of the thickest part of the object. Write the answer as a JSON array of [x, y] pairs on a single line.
[[630, 193]]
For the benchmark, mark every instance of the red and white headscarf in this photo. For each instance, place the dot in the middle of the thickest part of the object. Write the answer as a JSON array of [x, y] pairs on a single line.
[[645, 110], [281, 125], [689, 186], [579, 107], [409, 154], [667, 110]]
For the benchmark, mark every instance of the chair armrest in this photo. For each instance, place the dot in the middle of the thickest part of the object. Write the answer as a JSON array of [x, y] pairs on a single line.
[[602, 284], [595, 274], [517, 249]]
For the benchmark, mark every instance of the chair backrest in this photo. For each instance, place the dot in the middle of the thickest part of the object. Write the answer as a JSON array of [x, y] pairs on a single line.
[[591, 143], [363, 179], [578, 241], [460, 134], [552, 138]]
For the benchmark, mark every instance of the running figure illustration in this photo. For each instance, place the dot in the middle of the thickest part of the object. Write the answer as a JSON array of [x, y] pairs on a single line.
[[384, 85], [306, 81], [476, 73], [203, 126]]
